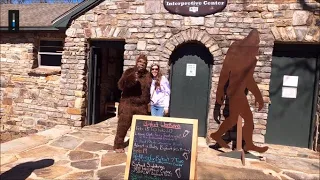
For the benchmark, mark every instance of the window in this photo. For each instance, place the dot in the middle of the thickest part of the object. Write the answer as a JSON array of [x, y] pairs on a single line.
[[50, 53]]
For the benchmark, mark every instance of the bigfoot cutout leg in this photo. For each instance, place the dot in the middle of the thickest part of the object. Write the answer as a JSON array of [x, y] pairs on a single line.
[[248, 130], [225, 126]]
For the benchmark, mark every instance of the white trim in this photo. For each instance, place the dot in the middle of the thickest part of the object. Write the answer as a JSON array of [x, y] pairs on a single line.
[[50, 67], [49, 53]]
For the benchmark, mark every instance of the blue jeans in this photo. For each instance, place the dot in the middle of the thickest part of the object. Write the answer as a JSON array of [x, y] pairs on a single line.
[[157, 111]]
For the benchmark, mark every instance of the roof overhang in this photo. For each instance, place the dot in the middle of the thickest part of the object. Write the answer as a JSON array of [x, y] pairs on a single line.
[[63, 21], [48, 28]]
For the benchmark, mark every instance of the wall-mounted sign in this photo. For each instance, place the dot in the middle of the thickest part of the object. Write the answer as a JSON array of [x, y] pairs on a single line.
[[193, 7], [191, 70], [289, 92], [290, 81]]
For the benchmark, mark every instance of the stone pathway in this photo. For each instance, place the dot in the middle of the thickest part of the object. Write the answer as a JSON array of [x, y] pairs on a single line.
[[67, 153]]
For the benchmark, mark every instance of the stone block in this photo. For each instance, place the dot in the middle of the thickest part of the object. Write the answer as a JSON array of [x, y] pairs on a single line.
[[273, 7], [216, 53], [78, 123], [123, 5], [235, 7], [81, 155], [235, 19], [76, 117], [254, 7], [259, 138], [130, 47], [71, 32], [79, 103], [140, 10], [52, 172], [276, 33], [141, 45], [74, 111], [213, 30], [174, 23], [312, 33], [159, 22], [147, 23], [4, 81], [290, 32], [153, 6], [300, 18], [116, 32], [80, 175], [283, 33], [194, 21], [111, 159], [209, 22], [113, 172], [94, 146], [7, 101]]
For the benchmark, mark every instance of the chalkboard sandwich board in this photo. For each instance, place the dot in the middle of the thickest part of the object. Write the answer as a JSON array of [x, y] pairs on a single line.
[[162, 148]]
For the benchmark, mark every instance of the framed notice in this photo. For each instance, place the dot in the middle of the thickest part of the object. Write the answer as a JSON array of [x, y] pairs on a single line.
[[290, 81], [162, 148], [191, 70], [289, 92]]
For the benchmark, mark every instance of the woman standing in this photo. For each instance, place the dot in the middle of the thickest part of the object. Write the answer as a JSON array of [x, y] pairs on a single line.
[[159, 91]]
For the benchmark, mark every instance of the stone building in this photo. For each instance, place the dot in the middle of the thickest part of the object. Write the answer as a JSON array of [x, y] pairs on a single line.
[[30, 88], [103, 38]]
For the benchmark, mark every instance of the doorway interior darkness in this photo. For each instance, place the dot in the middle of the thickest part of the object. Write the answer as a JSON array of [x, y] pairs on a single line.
[[190, 80], [104, 70]]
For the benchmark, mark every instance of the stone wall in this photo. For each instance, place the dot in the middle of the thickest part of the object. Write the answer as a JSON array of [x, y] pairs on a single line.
[[29, 96], [33, 99], [148, 28]]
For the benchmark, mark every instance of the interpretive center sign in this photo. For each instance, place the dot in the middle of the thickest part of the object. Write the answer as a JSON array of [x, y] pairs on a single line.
[[162, 148], [194, 8]]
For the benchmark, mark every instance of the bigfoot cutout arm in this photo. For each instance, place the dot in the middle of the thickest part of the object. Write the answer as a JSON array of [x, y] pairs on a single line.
[[253, 87], [128, 79], [224, 77]]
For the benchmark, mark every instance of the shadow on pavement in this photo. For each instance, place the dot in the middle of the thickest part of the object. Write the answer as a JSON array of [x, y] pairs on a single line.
[[24, 170]]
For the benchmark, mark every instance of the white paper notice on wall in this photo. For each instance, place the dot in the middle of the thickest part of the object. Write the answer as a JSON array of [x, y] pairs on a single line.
[[290, 81], [289, 92], [191, 70]]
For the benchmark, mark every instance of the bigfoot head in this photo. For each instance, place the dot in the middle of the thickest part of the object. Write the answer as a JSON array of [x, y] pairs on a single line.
[[141, 63], [252, 42]]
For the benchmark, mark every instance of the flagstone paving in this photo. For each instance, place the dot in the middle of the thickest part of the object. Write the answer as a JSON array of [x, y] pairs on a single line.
[[87, 153]]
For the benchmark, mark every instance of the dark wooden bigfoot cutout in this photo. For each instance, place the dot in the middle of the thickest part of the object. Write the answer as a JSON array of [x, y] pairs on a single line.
[[238, 67], [229, 136]]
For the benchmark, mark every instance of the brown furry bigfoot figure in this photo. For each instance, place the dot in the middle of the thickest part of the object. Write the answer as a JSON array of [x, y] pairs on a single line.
[[135, 85], [238, 67]]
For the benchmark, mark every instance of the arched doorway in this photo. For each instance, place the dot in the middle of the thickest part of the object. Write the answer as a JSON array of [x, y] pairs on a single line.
[[191, 83]]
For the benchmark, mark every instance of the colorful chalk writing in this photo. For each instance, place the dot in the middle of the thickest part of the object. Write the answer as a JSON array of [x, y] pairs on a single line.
[[161, 150]]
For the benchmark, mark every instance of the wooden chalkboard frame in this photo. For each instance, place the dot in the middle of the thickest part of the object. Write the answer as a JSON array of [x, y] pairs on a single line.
[[194, 147]]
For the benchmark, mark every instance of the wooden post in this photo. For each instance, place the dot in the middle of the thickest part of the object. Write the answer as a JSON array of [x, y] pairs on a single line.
[[239, 140]]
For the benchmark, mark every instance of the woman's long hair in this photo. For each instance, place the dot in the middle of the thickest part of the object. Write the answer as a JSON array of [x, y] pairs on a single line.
[[158, 77]]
